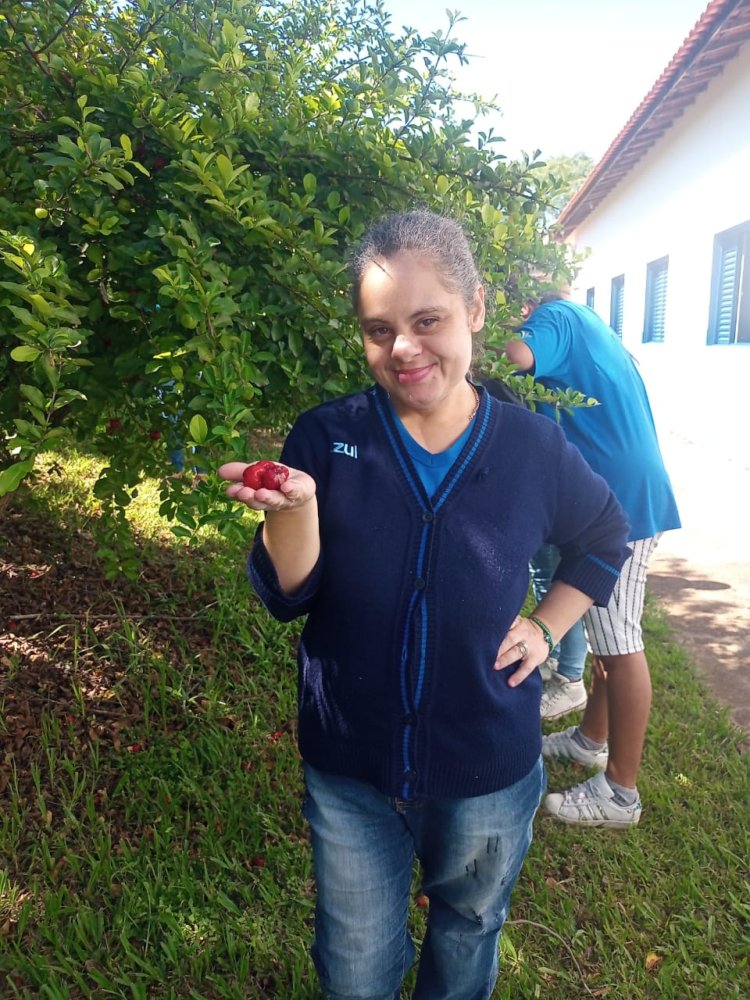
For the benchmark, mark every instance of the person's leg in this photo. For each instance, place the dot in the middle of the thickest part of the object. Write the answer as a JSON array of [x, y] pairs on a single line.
[[595, 721], [618, 709], [573, 649], [471, 852], [621, 701], [565, 692], [543, 566], [628, 697], [363, 856], [569, 654]]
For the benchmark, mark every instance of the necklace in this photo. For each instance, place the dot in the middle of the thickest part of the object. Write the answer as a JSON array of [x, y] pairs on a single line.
[[476, 402]]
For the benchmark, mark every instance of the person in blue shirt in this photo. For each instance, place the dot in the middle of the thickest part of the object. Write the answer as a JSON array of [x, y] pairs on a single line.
[[403, 536], [567, 345]]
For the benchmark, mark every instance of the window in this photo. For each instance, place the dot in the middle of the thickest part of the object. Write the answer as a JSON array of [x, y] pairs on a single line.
[[590, 297], [729, 315], [656, 301], [616, 303]]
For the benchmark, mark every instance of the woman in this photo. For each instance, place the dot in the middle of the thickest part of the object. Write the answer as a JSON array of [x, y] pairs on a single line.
[[404, 533]]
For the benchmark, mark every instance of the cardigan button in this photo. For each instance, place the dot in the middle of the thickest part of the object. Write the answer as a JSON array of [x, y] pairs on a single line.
[[428, 516], [419, 583]]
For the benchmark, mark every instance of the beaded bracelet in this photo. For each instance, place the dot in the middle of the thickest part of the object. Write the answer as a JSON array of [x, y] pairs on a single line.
[[545, 631]]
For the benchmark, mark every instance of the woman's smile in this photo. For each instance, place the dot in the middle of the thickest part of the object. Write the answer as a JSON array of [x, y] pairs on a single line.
[[412, 376], [417, 334]]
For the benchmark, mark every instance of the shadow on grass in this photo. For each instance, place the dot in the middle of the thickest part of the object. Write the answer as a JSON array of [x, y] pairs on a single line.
[[152, 844]]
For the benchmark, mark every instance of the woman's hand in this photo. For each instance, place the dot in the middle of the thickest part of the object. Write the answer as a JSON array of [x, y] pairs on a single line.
[[290, 530], [525, 642], [298, 490]]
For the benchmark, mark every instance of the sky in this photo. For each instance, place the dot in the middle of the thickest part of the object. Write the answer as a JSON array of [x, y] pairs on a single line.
[[567, 73]]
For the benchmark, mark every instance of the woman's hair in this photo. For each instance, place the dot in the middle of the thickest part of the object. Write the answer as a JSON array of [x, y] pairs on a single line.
[[437, 237]]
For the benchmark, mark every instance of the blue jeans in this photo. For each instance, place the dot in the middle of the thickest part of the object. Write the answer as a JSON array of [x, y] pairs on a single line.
[[571, 650], [364, 845]]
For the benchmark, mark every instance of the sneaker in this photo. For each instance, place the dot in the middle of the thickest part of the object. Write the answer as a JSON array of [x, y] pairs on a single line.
[[561, 696], [548, 669], [592, 803], [562, 746]]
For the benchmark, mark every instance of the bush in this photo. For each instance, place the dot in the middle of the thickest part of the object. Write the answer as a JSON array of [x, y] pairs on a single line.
[[179, 184]]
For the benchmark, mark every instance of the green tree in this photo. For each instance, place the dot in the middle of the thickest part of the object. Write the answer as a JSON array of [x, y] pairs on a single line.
[[179, 183], [562, 177]]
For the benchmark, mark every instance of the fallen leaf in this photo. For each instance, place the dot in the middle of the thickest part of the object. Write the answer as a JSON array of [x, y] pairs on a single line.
[[653, 961]]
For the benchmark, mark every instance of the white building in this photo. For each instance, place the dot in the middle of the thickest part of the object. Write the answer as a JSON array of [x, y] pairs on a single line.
[[666, 217]]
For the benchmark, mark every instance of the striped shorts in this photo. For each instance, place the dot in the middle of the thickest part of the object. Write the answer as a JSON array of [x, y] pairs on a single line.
[[616, 629]]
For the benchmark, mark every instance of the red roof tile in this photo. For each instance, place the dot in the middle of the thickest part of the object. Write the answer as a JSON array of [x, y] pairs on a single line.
[[715, 40]]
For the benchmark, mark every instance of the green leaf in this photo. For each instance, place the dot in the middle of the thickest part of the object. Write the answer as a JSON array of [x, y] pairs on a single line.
[[111, 181], [33, 395], [25, 353], [40, 304], [225, 168], [198, 429], [11, 477], [126, 146], [310, 183]]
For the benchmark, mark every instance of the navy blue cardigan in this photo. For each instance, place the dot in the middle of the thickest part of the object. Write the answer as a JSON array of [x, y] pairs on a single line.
[[412, 594]]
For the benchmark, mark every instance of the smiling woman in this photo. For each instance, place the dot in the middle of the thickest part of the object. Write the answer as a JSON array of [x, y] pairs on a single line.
[[419, 312], [404, 534]]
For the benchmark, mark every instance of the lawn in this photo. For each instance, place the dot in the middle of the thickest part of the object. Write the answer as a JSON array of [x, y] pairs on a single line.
[[151, 844]]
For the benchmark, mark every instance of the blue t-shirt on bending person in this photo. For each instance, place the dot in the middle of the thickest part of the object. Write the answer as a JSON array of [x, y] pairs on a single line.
[[574, 348]]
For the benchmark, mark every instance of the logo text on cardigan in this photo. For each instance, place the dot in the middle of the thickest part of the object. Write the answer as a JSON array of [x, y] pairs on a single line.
[[342, 448]]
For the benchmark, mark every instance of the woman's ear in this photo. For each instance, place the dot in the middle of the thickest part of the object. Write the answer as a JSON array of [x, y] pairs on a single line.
[[476, 312]]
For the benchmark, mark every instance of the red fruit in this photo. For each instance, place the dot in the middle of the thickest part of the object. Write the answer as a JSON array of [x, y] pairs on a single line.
[[265, 475], [113, 426], [154, 434]]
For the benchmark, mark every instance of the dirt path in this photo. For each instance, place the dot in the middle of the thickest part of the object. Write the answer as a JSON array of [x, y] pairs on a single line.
[[701, 574]]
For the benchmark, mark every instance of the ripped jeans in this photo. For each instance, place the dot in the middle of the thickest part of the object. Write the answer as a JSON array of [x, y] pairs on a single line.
[[364, 845]]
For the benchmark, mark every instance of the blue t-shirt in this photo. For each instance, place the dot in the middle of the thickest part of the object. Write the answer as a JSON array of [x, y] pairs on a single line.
[[431, 467], [574, 348]]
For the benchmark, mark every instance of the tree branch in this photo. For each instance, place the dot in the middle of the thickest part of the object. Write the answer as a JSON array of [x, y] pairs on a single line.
[[71, 14]]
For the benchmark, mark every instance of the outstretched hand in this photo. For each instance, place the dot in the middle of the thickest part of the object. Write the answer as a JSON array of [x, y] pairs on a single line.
[[298, 489]]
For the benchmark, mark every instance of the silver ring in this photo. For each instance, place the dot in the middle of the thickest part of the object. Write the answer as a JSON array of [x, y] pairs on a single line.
[[523, 648]]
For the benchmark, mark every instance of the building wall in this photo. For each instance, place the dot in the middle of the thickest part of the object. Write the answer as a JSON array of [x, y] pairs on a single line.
[[694, 183]]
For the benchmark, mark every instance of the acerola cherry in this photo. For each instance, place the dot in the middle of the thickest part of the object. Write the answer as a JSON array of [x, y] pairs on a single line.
[[265, 475], [154, 434], [114, 425]]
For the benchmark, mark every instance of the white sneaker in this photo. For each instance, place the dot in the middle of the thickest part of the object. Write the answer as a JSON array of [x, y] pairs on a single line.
[[562, 746], [561, 696], [592, 803], [548, 669]]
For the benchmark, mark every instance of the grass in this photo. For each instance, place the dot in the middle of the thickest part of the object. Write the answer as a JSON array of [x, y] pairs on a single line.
[[151, 843]]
